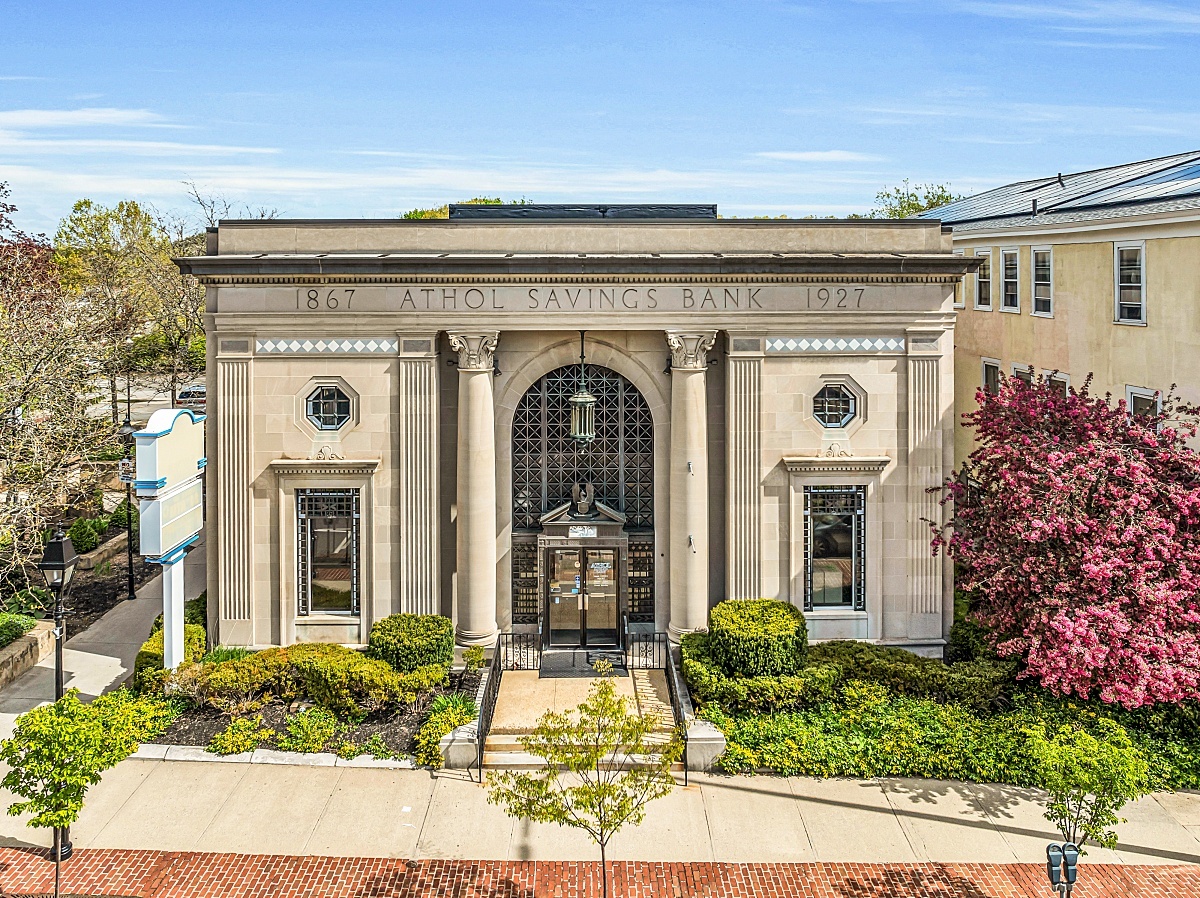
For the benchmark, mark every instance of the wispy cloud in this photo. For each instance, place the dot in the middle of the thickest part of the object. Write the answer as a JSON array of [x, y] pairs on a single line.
[[1120, 17], [819, 156], [12, 143], [72, 118]]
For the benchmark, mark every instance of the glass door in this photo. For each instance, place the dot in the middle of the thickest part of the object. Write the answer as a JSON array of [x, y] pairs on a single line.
[[566, 597], [600, 598]]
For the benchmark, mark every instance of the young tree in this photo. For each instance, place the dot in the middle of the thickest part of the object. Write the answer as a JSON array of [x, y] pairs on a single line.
[[47, 437], [1076, 526], [174, 348], [602, 768], [908, 200], [101, 252], [1089, 780]]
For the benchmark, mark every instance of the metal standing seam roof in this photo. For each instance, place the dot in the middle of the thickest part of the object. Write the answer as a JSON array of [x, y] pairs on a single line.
[[1169, 181]]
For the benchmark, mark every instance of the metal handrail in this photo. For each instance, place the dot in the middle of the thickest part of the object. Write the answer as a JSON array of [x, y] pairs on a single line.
[[520, 651], [490, 692], [677, 709], [652, 651]]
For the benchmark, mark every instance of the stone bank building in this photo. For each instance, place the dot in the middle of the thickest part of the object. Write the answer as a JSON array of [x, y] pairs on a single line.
[[391, 423]]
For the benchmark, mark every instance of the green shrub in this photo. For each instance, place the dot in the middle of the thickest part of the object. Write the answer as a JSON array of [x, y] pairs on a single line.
[[436, 725], [409, 641], [980, 685], [811, 685], [347, 682], [223, 653], [13, 627], [310, 731], [32, 601], [119, 517], [377, 748], [195, 611], [150, 657], [242, 735], [454, 701], [239, 685], [757, 637], [473, 658], [86, 533]]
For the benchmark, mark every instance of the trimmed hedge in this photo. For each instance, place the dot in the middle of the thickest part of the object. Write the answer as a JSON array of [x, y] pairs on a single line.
[[410, 641], [708, 683], [978, 685], [757, 637], [150, 656], [13, 627]]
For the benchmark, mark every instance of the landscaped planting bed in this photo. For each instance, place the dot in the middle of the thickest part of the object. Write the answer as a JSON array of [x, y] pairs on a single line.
[[855, 709]]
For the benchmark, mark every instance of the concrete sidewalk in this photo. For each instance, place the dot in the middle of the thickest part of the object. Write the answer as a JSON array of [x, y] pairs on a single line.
[[101, 657], [347, 811]]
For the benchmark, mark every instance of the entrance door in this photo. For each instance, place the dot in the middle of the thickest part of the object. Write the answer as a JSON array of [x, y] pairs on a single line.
[[582, 597]]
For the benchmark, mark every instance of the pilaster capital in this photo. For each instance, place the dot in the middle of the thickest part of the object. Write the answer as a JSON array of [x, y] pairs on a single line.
[[689, 351], [475, 351]]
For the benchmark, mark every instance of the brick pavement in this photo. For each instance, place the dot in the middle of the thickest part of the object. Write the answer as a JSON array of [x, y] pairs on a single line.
[[162, 874]]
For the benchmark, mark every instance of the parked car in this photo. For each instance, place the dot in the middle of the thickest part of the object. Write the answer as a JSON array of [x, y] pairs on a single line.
[[193, 397]]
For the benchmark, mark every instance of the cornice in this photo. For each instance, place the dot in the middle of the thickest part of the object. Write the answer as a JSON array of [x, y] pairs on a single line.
[[325, 465], [837, 464]]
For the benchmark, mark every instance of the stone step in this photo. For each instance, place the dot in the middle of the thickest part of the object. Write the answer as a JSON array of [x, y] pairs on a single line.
[[502, 742], [519, 760]]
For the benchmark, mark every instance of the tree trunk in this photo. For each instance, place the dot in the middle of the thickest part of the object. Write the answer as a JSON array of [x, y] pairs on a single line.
[[603, 873], [112, 394]]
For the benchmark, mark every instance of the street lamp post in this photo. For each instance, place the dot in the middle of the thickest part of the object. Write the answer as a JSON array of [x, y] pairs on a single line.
[[126, 432], [58, 567]]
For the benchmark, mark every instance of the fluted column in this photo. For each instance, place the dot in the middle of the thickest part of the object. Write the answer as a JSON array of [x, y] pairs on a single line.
[[689, 481], [743, 442], [234, 444], [476, 488], [417, 440], [924, 473]]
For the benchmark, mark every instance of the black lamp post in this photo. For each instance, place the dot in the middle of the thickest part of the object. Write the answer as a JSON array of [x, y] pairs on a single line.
[[126, 432], [58, 567]]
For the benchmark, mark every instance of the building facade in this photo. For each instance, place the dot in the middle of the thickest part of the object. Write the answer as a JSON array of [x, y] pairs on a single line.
[[1090, 273], [390, 424]]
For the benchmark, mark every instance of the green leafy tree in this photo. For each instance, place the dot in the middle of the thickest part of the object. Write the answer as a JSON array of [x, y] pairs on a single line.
[[602, 767], [1089, 779], [908, 199], [57, 752]]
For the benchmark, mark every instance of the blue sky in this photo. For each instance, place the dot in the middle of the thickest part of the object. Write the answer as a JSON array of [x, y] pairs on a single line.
[[361, 109]]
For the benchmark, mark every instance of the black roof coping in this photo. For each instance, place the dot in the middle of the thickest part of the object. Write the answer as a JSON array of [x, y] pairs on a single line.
[[460, 211]]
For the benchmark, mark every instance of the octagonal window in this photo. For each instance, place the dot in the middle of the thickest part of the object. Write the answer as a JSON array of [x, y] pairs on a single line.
[[328, 408], [835, 405]]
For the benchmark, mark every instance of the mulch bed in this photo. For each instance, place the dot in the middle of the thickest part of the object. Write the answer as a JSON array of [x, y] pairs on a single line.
[[92, 594], [397, 729]]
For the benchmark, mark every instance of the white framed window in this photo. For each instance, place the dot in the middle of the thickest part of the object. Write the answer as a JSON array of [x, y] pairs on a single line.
[[960, 300], [1042, 262], [1060, 381], [990, 376], [983, 281], [1142, 400], [1129, 273], [1022, 373], [1010, 287]]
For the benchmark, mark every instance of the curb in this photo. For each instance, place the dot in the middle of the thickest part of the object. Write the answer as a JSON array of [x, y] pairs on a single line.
[[155, 751]]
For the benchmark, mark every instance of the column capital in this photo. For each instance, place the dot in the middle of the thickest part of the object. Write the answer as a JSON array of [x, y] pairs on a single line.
[[689, 350], [475, 351]]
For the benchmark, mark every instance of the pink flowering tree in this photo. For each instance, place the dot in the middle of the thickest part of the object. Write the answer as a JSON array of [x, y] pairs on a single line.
[[1076, 526]]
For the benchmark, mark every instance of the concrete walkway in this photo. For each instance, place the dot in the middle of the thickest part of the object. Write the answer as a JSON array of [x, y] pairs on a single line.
[[101, 657], [346, 811]]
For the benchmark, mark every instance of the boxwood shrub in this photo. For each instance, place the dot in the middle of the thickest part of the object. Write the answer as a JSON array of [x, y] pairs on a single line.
[[150, 657], [410, 641], [708, 683], [757, 637], [14, 626]]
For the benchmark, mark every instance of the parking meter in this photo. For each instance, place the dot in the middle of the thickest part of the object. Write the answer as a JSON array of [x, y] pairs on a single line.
[[1054, 858], [1070, 856]]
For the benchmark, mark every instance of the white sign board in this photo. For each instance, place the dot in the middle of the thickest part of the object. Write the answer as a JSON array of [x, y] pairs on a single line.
[[170, 451], [125, 470], [579, 531], [168, 521]]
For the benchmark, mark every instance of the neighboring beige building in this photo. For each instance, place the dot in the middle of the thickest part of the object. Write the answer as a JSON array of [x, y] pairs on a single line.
[[1090, 273], [390, 404]]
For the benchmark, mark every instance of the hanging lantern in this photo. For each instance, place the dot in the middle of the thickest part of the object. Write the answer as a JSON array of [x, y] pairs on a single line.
[[583, 406]]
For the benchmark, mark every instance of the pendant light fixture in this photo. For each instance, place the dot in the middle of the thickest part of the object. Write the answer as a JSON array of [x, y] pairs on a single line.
[[583, 406]]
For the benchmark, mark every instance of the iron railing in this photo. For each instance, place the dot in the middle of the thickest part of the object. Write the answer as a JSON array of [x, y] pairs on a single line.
[[520, 651], [646, 650], [490, 691], [681, 723]]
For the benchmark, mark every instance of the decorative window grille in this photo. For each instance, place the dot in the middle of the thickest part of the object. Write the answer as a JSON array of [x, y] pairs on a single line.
[[619, 463], [525, 600], [327, 560], [835, 547], [328, 408], [834, 405], [641, 579]]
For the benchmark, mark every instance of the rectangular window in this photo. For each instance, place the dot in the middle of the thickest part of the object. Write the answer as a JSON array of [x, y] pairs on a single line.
[[1058, 380], [983, 281], [991, 376], [1022, 373], [1011, 297], [327, 527], [959, 300], [1043, 283], [1131, 283], [1142, 401], [834, 547]]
